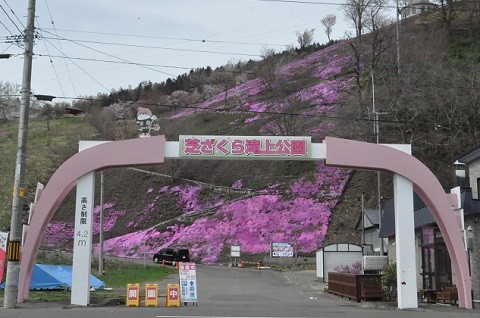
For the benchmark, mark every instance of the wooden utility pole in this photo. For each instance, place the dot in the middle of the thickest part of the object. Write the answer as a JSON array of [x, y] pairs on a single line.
[[15, 237]]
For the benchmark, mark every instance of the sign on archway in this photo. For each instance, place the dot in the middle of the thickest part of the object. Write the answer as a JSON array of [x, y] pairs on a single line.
[[409, 174]]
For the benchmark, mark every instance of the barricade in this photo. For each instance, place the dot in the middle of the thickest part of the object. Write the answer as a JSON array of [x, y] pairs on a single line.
[[151, 295], [133, 295], [244, 264], [173, 295]]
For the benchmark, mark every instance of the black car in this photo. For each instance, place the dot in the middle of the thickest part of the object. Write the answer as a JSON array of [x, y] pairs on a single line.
[[172, 255]]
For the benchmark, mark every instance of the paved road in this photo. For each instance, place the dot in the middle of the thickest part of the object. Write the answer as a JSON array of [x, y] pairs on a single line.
[[234, 292]]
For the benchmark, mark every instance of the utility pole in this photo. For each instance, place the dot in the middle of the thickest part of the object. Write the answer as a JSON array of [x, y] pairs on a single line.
[[376, 131], [398, 38], [13, 247], [100, 243]]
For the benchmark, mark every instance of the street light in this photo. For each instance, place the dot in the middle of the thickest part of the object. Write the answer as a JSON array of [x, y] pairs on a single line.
[[5, 56], [47, 98]]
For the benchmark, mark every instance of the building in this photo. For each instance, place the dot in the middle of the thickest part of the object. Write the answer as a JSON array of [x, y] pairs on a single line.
[[432, 258], [370, 231], [415, 7]]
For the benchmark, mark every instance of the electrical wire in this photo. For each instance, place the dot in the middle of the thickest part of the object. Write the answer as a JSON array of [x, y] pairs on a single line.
[[150, 46], [51, 62], [79, 67], [14, 14], [8, 16], [166, 38], [110, 55], [61, 48]]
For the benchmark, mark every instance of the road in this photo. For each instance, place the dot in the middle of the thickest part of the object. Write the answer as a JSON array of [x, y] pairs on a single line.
[[235, 292]]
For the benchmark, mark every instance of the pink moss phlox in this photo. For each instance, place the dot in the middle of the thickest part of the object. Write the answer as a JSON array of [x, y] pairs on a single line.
[[237, 184]]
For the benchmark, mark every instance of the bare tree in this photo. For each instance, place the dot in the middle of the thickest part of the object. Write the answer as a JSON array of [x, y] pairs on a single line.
[[448, 10], [305, 38], [267, 70], [8, 100], [355, 11], [328, 22]]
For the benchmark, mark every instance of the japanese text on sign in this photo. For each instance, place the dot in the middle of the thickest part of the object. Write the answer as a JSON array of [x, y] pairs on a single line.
[[245, 146], [188, 282]]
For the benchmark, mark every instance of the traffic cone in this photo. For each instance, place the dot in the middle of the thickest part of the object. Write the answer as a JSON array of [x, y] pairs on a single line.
[[163, 263]]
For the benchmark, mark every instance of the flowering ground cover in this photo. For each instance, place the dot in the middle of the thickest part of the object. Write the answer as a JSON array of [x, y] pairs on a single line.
[[296, 212]]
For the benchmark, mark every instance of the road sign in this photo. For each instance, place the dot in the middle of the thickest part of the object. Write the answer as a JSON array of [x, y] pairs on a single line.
[[188, 282], [173, 299], [151, 295], [133, 295]]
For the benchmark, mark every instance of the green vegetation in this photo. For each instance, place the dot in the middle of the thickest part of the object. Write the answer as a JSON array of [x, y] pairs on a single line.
[[46, 150], [389, 281], [116, 281]]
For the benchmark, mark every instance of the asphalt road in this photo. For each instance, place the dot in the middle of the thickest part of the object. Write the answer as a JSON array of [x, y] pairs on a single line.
[[234, 292]]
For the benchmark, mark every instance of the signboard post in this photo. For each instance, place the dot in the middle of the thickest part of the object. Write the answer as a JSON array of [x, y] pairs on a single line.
[[282, 250], [188, 282], [3, 253], [234, 254]]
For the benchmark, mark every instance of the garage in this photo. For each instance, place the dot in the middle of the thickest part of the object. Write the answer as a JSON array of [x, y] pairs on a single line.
[[336, 255]]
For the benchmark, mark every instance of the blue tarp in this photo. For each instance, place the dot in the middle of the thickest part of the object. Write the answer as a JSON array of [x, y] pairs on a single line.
[[56, 277]]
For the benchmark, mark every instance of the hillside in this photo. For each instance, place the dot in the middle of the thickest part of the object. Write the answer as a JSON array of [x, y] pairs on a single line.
[[208, 205]]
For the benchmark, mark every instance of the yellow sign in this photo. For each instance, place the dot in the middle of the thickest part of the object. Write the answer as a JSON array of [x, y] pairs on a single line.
[[21, 192], [133, 295], [173, 295], [151, 295]]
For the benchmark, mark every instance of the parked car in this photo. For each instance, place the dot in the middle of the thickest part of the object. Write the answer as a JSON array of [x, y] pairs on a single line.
[[172, 255]]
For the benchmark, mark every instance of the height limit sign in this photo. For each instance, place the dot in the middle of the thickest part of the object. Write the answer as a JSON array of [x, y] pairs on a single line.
[[188, 282]]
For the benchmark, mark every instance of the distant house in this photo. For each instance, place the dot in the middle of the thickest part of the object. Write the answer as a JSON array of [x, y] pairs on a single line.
[[433, 261], [370, 230], [73, 111], [415, 7]]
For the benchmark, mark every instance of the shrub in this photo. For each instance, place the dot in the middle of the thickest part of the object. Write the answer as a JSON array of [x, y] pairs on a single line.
[[389, 281]]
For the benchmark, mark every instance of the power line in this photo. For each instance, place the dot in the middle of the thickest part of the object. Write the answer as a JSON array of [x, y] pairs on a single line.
[[14, 13], [61, 49], [110, 55], [51, 62], [79, 67], [151, 46], [116, 62], [8, 16], [166, 38]]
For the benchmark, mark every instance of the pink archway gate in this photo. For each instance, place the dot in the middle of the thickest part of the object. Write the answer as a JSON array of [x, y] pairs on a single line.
[[339, 152]]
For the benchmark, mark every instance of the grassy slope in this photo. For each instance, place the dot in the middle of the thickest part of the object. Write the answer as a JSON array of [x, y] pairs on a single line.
[[46, 150]]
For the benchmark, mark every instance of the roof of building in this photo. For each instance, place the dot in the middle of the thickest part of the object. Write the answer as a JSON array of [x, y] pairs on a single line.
[[422, 215], [469, 156], [372, 219]]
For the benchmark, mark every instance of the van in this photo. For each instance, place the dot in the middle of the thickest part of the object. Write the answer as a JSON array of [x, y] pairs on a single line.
[[172, 255]]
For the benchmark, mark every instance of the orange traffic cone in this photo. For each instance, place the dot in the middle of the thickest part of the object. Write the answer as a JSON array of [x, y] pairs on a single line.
[[163, 263]]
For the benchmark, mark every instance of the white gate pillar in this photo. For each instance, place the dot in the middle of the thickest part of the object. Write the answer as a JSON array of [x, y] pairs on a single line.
[[405, 243], [82, 236]]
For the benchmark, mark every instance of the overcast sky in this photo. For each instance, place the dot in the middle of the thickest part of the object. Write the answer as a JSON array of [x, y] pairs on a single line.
[[168, 37]]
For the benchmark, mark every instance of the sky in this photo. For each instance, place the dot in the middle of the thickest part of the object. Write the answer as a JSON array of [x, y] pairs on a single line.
[[95, 46]]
